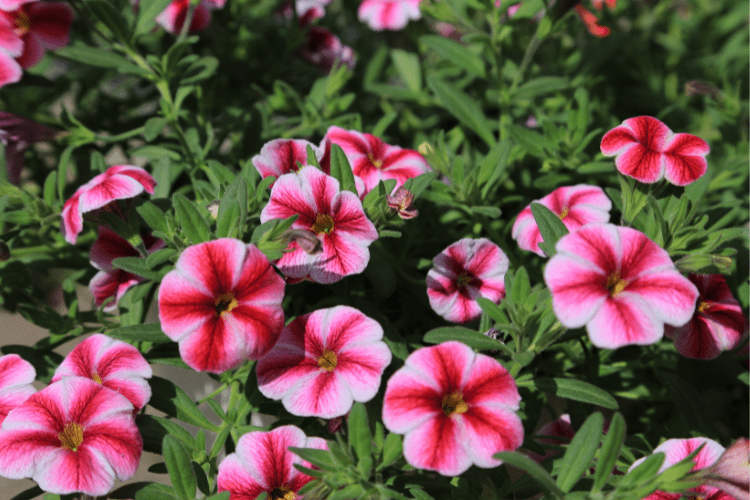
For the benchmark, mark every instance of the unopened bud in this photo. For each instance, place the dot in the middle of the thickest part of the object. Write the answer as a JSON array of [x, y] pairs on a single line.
[[213, 209], [402, 201], [305, 239]]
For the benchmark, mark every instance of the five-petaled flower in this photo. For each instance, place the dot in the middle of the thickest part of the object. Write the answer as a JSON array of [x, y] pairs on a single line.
[[284, 156], [116, 183], [16, 376], [466, 270], [388, 14], [717, 324], [111, 363], [73, 436], [335, 217], [173, 17], [262, 462], [575, 205], [324, 361], [455, 407], [647, 150], [222, 303], [618, 283]]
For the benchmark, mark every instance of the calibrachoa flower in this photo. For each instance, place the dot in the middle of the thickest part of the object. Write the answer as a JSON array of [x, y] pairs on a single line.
[[111, 363], [173, 17], [575, 205], [676, 450], [335, 217], [73, 436], [16, 134], [222, 303], [388, 14], [373, 160], [618, 283], [324, 361], [647, 150], [402, 202], [731, 472], [262, 462], [116, 183], [466, 270], [717, 324], [323, 49], [455, 407], [111, 281], [16, 376], [283, 156]]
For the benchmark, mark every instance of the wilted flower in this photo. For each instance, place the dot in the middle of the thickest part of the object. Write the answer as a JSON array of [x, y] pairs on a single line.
[[16, 376], [388, 14], [16, 134], [402, 201]]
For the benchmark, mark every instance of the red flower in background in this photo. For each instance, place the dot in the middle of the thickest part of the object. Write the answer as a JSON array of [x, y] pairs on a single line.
[[173, 17], [323, 49]]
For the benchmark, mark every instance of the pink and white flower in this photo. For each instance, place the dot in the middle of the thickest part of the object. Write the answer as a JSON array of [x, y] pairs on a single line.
[[466, 270], [647, 150], [284, 156], [324, 361], [222, 303], [173, 17], [111, 281], [73, 436], [16, 376], [717, 324], [618, 283], [335, 217], [730, 472], [324, 49], [388, 14], [116, 183], [262, 462], [575, 205], [373, 160], [455, 407], [111, 363]]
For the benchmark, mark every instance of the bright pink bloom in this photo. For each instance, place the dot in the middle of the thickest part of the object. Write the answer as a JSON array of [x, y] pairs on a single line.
[[262, 462], [116, 183], [336, 217], [16, 134], [373, 160], [648, 150], [73, 436], [388, 14], [676, 450], [591, 22], [11, 5], [284, 156], [111, 363], [324, 361], [222, 303], [324, 49], [111, 281], [717, 324], [575, 205], [173, 17], [16, 376], [464, 271], [618, 283], [455, 407]]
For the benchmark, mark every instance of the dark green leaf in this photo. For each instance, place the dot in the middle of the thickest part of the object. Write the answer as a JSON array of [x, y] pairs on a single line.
[[221, 438], [341, 169], [580, 452], [536, 471], [28, 494], [360, 438], [463, 107], [137, 266], [153, 128], [180, 471], [532, 142], [153, 216], [91, 56], [200, 70], [173, 401], [689, 403], [192, 222], [550, 226], [148, 332], [156, 491], [577, 390], [610, 451], [153, 429], [521, 286], [408, 66], [456, 53], [540, 86], [392, 449], [319, 458], [148, 10], [471, 338], [160, 257], [111, 17]]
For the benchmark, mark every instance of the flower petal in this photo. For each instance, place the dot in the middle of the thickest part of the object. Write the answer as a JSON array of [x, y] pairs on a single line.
[[685, 159], [488, 430], [624, 320], [436, 445]]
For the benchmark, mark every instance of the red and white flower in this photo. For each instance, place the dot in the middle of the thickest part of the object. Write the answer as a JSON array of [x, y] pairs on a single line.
[[373, 160], [324, 361], [222, 303], [173, 17], [575, 205], [647, 150], [111, 363], [116, 183], [455, 407], [111, 281], [73, 436], [335, 217], [16, 376], [618, 283], [262, 462], [717, 324], [388, 14], [466, 270], [284, 156]]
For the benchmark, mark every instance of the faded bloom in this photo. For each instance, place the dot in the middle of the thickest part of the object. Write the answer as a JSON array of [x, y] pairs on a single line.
[[16, 376], [388, 14], [402, 201]]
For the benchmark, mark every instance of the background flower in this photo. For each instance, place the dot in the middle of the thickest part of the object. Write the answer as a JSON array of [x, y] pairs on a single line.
[[281, 156], [16, 134], [173, 17], [16, 376], [388, 14]]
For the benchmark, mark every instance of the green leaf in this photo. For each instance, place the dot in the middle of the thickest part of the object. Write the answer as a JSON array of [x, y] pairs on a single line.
[[689, 403], [227, 224], [111, 17], [536, 471], [319, 458], [493, 310], [192, 222], [50, 188], [521, 286], [580, 452], [221, 438], [540, 86], [493, 165], [153, 429], [550, 226], [156, 491], [148, 332], [341, 169], [180, 471], [491, 212], [645, 471], [463, 107], [147, 12], [471, 338], [456, 53], [577, 390], [392, 449], [153, 216], [360, 438], [202, 69], [532, 142], [137, 266], [610, 451], [418, 184], [173, 401], [153, 128], [160, 257], [224, 495], [408, 66], [91, 56]]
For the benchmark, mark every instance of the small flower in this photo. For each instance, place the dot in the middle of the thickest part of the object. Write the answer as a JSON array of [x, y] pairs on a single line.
[[731, 473], [402, 201], [262, 462], [466, 270], [284, 156], [111, 363], [16, 376], [388, 14], [647, 150], [324, 49], [618, 283], [575, 205], [16, 134], [222, 303], [455, 407], [335, 217], [717, 324], [73, 436], [173, 17], [116, 183], [324, 361], [591, 22]]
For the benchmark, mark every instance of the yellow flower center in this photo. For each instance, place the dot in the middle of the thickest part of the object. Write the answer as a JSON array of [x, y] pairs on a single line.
[[463, 279], [328, 361], [564, 213], [323, 224], [454, 403], [615, 284], [72, 436], [703, 305], [377, 163], [225, 303], [96, 378], [283, 493], [23, 23]]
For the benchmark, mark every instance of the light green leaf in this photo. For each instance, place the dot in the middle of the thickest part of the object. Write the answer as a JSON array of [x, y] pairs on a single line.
[[456, 53], [180, 471], [148, 332], [577, 390], [471, 338], [580, 452], [192, 222], [610, 451], [463, 107]]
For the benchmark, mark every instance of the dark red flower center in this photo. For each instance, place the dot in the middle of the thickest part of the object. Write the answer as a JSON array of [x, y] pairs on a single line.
[[463, 279], [72, 436], [323, 224], [225, 303], [328, 360], [283, 493], [454, 403], [615, 284]]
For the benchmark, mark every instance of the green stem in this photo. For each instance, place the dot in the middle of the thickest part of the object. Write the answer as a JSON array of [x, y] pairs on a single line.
[[515, 369], [215, 393], [119, 137], [525, 62]]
